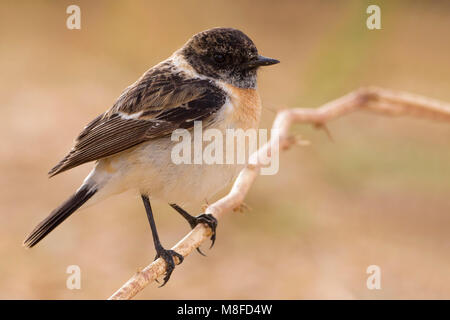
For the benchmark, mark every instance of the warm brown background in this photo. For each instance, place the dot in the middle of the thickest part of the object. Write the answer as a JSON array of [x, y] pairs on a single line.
[[380, 194]]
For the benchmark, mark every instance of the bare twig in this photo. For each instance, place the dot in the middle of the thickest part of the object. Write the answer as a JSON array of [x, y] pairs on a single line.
[[373, 99]]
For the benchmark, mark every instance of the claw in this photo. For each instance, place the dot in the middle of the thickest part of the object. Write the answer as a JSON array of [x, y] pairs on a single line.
[[167, 256], [211, 222], [200, 251], [213, 240], [207, 219]]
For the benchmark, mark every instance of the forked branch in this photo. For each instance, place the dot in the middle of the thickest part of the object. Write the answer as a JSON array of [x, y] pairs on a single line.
[[383, 101]]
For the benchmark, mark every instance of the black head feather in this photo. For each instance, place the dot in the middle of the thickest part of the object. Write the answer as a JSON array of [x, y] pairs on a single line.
[[222, 53]]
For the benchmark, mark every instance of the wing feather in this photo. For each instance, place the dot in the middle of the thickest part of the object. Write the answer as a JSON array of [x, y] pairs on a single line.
[[153, 107]]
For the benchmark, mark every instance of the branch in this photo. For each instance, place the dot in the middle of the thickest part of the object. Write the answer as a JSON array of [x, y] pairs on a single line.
[[373, 99]]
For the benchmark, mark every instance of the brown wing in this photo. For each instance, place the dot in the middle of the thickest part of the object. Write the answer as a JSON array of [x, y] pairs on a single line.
[[153, 107]]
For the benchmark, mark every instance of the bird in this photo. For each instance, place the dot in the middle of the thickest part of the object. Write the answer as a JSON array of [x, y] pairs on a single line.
[[212, 78]]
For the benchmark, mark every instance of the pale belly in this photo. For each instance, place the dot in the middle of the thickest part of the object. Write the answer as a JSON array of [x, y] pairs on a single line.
[[149, 168]]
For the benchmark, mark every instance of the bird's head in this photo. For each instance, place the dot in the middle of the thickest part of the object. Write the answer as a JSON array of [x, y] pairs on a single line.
[[225, 54]]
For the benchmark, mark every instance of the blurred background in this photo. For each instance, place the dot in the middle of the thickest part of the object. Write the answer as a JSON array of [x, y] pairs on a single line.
[[378, 195]]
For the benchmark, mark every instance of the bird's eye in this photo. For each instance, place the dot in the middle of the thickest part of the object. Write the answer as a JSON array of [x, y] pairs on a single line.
[[219, 58]]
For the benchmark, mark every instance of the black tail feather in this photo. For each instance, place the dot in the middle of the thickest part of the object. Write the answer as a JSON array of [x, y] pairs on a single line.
[[59, 215]]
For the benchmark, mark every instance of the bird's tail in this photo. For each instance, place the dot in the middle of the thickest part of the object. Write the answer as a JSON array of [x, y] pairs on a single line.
[[83, 194]]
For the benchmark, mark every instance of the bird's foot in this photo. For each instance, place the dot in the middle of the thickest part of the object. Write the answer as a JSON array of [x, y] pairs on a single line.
[[207, 219], [167, 256], [211, 222]]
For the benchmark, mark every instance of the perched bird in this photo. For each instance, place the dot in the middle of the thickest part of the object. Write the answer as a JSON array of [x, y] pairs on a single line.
[[211, 79]]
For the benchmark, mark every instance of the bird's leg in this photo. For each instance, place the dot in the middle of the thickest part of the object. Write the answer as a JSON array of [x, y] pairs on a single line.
[[167, 255], [207, 219]]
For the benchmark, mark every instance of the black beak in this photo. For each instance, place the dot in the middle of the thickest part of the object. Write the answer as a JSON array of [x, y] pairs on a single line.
[[259, 62]]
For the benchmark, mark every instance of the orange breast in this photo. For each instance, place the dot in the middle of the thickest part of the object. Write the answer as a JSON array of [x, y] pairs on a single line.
[[246, 107]]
